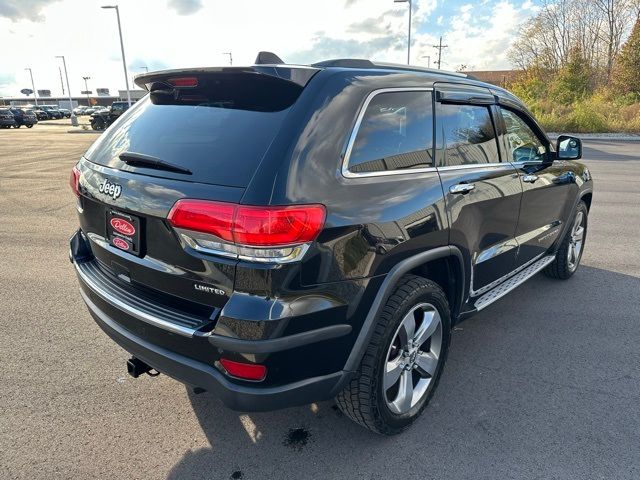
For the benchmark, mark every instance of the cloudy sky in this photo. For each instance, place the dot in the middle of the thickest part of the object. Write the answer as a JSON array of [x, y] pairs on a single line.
[[178, 33]]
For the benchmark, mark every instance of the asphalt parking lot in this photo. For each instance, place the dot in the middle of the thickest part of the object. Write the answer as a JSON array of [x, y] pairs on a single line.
[[543, 384]]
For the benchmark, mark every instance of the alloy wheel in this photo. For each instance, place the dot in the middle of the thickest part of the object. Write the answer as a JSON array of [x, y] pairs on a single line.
[[575, 241], [413, 358]]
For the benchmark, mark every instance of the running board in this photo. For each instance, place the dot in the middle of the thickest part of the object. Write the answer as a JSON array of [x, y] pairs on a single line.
[[512, 282]]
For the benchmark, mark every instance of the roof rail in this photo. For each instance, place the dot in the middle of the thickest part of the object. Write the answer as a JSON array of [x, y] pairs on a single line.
[[346, 63], [360, 63]]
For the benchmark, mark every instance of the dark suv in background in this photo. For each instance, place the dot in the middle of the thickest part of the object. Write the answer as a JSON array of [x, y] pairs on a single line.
[[101, 119], [24, 117], [283, 234], [6, 118]]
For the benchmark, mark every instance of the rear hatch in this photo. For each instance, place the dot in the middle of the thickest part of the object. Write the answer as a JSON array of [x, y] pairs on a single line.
[[199, 134]]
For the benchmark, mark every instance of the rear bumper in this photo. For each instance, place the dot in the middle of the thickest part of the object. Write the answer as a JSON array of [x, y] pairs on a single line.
[[131, 323], [192, 372]]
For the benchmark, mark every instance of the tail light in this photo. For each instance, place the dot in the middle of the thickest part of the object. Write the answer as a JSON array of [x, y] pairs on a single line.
[[74, 181], [245, 371], [268, 234], [183, 81]]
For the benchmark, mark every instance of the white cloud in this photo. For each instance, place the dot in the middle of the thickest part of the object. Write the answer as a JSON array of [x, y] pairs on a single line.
[[181, 33], [479, 37]]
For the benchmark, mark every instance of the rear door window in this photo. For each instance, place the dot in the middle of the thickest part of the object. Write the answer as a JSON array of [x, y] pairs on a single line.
[[395, 133], [467, 135]]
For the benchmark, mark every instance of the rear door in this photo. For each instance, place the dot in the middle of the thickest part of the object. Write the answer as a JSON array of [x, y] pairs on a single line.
[[482, 193], [547, 185], [203, 141]]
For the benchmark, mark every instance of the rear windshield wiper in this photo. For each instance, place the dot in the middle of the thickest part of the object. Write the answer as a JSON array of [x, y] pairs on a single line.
[[140, 160]]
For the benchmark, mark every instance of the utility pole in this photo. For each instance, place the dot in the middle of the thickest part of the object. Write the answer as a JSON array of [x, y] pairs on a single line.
[[61, 82], [86, 89], [33, 85], [439, 47], [230, 57]]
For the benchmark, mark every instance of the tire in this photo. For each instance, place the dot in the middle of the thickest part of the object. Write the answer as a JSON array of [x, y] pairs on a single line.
[[98, 124], [30, 125], [366, 399], [567, 260], [17, 125]]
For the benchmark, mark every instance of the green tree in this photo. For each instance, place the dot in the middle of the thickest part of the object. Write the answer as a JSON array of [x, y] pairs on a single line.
[[626, 74], [573, 81]]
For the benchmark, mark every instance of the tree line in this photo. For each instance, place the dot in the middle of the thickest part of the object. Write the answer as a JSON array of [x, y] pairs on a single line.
[[578, 55]]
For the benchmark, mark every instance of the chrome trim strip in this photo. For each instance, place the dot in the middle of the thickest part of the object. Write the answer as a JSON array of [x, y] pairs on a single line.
[[528, 236], [496, 250], [137, 313], [519, 240], [517, 281], [495, 283], [352, 138], [447, 168], [290, 253]]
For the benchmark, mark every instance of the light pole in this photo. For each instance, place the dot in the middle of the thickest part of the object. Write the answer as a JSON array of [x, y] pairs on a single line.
[[33, 85], [409, 34], [428, 57], [124, 62], [74, 119], [230, 57], [86, 89]]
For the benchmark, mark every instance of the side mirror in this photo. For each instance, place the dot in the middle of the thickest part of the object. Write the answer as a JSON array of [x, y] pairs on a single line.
[[568, 148]]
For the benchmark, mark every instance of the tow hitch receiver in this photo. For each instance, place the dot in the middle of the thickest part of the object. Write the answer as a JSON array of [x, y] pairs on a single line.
[[136, 367]]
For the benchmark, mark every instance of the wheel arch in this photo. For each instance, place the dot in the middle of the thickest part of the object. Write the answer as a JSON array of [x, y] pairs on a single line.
[[439, 262]]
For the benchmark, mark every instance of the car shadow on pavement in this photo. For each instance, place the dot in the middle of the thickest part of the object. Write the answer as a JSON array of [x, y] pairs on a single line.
[[522, 396]]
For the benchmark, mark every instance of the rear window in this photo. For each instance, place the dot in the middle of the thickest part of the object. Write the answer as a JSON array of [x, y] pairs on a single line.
[[219, 130]]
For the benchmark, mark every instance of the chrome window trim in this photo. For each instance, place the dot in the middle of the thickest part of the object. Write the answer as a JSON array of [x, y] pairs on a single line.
[[472, 165], [354, 132]]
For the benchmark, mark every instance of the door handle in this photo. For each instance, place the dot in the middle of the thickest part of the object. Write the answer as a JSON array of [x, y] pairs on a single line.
[[461, 188], [530, 178]]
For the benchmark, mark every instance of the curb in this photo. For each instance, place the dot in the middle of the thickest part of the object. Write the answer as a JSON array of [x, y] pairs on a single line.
[[83, 131], [615, 137]]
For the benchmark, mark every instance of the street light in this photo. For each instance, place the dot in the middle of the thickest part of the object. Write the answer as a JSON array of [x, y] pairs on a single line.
[[124, 62], [230, 57], [409, 34], [428, 57], [86, 89], [74, 119], [33, 85]]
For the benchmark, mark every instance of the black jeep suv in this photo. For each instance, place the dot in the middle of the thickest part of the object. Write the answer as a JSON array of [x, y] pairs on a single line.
[[283, 234]]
